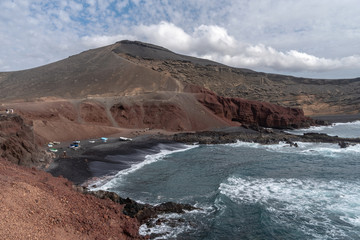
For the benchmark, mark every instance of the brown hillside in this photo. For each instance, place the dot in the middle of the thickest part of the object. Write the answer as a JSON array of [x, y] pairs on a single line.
[[131, 68], [314, 96], [140, 86], [98, 72]]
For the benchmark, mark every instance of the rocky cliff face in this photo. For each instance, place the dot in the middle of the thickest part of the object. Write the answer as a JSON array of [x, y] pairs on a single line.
[[158, 115], [175, 115], [17, 142], [251, 112]]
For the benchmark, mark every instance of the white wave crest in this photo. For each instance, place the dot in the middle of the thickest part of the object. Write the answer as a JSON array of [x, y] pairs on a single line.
[[163, 227], [317, 202], [170, 225], [347, 130], [105, 184], [357, 123], [304, 148]]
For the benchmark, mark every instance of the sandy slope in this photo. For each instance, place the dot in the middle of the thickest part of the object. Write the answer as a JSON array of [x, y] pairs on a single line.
[[35, 205]]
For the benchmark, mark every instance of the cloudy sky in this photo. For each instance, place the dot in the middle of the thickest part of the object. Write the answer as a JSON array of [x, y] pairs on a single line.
[[306, 38]]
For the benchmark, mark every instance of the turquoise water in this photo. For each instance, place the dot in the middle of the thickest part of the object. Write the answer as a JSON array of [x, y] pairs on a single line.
[[251, 191]]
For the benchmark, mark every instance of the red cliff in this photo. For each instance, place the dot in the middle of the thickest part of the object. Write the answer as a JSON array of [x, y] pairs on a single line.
[[251, 112]]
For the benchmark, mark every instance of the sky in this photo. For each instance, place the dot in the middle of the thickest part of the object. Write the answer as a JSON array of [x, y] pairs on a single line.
[[305, 38]]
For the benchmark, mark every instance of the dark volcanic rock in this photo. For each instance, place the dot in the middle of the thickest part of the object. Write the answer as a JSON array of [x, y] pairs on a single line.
[[142, 212], [343, 144], [263, 136]]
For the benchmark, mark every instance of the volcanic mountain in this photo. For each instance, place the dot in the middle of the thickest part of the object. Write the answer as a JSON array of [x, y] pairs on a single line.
[[142, 86]]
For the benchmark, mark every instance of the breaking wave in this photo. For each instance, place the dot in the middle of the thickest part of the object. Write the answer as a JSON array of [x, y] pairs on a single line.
[[304, 148], [113, 181], [346, 130], [313, 206]]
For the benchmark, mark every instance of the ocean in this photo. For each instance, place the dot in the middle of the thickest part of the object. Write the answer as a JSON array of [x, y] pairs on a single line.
[[250, 191]]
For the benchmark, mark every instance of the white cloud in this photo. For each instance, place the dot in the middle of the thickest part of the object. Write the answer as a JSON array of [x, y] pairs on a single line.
[[120, 5], [176, 39], [316, 38], [213, 42], [103, 40]]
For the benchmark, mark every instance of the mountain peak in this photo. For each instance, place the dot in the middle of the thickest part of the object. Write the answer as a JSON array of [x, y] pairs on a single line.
[[153, 52], [139, 44]]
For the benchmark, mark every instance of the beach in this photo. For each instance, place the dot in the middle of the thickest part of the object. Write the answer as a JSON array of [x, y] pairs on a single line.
[[90, 161]]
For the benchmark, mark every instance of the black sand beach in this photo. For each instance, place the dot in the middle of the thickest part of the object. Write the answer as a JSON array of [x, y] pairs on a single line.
[[94, 160]]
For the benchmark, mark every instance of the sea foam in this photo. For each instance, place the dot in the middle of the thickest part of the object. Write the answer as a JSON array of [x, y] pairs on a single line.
[[304, 148], [346, 130], [165, 226], [306, 204]]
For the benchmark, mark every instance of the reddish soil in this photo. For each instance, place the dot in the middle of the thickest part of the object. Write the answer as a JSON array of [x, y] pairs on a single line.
[[251, 112], [94, 113], [17, 142], [194, 109], [35, 205]]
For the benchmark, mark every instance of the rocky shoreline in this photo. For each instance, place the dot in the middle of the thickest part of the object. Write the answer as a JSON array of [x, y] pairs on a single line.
[[261, 135], [144, 213]]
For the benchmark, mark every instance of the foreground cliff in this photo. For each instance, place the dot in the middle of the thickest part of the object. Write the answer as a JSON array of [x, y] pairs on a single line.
[[35, 205]]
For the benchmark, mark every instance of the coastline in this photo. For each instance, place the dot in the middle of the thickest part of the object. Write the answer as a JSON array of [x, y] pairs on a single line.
[[338, 118], [94, 161]]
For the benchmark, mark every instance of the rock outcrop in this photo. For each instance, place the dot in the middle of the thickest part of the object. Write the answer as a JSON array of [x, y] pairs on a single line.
[[142, 212], [251, 112], [261, 135], [18, 143]]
